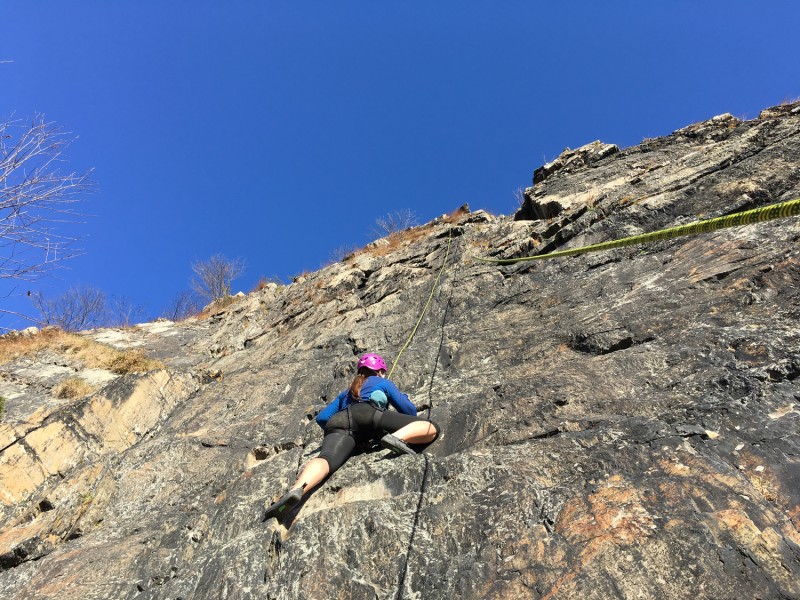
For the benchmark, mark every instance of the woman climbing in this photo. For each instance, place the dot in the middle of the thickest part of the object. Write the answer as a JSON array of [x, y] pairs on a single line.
[[360, 414]]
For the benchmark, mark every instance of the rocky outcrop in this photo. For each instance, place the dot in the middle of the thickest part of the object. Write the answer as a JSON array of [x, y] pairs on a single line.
[[572, 160], [616, 425]]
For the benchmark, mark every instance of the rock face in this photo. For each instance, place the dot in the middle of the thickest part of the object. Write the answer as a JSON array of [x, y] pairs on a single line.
[[616, 425]]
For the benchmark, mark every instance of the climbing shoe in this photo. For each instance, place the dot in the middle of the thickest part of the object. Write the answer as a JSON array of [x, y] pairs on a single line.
[[395, 444], [284, 505]]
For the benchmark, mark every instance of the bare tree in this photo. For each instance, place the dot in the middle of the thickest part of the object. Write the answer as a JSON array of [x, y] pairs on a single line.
[[181, 307], [342, 252], [36, 198], [395, 221], [80, 307], [213, 277], [124, 313]]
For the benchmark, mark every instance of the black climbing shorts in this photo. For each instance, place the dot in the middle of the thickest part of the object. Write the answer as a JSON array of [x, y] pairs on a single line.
[[360, 423]]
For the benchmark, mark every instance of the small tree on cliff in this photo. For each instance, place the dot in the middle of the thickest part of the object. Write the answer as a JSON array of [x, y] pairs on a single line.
[[80, 307], [213, 277], [182, 306], [123, 312], [395, 222]]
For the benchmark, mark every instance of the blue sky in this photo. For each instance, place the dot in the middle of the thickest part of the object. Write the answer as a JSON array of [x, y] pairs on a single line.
[[278, 132]]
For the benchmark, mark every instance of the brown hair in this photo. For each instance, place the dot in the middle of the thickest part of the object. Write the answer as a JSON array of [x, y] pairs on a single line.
[[358, 381]]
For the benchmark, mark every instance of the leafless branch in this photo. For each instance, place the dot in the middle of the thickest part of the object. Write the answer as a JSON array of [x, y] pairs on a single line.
[[36, 198], [12, 313], [78, 308], [519, 196], [394, 222], [182, 306], [124, 313], [342, 252]]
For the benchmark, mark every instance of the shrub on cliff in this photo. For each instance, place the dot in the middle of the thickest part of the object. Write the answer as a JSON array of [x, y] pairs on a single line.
[[395, 222], [71, 388], [214, 277]]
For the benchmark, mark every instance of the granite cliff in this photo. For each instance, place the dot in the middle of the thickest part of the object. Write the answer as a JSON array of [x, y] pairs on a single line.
[[616, 425]]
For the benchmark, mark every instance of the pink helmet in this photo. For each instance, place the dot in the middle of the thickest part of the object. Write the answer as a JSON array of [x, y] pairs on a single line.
[[372, 361]]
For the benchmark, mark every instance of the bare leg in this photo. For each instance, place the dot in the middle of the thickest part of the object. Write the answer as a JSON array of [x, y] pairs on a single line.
[[418, 432], [312, 474]]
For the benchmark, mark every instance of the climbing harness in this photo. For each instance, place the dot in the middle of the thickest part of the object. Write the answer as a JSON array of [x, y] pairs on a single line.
[[765, 213], [424, 310]]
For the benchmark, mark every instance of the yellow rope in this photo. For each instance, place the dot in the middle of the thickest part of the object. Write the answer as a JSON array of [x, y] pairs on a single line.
[[766, 213], [430, 297]]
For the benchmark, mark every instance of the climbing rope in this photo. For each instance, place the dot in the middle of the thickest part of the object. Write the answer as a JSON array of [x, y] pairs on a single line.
[[766, 213], [404, 568], [425, 478], [424, 310]]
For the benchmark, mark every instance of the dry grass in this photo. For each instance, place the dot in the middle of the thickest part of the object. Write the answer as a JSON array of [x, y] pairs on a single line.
[[263, 282], [302, 275], [397, 240], [71, 388], [455, 216], [133, 361], [90, 353], [218, 306]]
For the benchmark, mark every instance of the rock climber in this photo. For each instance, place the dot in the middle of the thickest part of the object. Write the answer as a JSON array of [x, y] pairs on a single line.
[[360, 414]]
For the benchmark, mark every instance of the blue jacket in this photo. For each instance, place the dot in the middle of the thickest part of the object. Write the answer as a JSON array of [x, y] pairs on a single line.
[[396, 398]]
